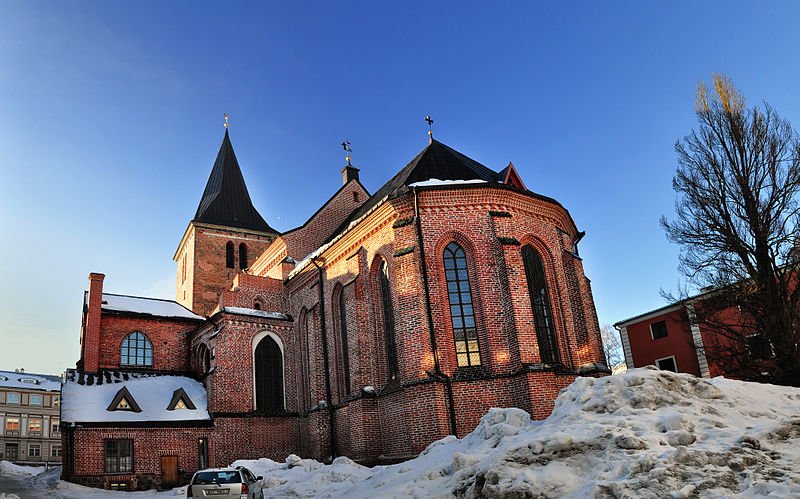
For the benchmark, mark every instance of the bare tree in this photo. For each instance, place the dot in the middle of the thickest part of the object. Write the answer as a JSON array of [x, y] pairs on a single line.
[[737, 187], [612, 347]]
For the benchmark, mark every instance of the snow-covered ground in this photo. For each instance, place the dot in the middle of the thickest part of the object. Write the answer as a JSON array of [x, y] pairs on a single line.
[[646, 433]]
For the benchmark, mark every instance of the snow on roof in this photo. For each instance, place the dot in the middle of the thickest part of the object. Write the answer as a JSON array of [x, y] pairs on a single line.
[[255, 313], [435, 182], [87, 403], [30, 381], [646, 433], [150, 306]]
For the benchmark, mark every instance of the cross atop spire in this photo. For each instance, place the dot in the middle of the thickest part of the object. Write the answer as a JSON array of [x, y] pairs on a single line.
[[347, 151], [429, 121], [226, 119]]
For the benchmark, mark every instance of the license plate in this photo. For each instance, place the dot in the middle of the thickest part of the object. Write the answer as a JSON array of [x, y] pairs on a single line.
[[216, 492]]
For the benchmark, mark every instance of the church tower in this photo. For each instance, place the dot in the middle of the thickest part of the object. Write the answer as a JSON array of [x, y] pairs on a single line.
[[225, 236]]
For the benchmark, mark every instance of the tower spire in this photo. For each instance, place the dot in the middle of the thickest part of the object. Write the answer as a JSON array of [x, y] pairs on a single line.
[[349, 172], [225, 199]]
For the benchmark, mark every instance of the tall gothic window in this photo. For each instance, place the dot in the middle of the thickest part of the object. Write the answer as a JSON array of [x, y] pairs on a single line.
[[462, 312], [540, 303], [203, 359], [388, 321], [269, 375], [343, 339], [302, 354], [229, 255], [242, 256], [136, 350]]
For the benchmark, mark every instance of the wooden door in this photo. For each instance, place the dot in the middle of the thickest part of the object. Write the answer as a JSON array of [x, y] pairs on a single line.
[[169, 471]]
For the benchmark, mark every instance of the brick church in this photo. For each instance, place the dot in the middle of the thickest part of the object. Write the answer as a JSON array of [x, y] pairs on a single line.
[[384, 322]]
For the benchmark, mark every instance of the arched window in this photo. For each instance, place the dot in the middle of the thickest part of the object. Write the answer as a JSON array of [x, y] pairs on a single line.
[[462, 312], [302, 355], [388, 320], [136, 350], [242, 256], [203, 359], [269, 375], [258, 303], [229, 255], [345, 351], [540, 303]]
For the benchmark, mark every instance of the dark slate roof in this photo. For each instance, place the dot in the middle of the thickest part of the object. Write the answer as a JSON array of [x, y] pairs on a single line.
[[225, 200], [436, 161]]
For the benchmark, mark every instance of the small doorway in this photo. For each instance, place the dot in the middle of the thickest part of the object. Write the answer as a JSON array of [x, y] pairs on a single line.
[[169, 471], [12, 452]]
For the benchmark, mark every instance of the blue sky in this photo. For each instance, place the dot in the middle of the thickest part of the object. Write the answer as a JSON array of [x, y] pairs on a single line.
[[111, 116]]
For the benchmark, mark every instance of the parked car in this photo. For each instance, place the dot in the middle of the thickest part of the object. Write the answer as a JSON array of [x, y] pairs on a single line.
[[225, 483]]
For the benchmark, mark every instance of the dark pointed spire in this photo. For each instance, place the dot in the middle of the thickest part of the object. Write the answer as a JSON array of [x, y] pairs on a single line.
[[225, 200]]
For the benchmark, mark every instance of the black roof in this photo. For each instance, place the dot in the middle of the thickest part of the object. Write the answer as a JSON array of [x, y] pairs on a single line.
[[225, 200], [436, 161]]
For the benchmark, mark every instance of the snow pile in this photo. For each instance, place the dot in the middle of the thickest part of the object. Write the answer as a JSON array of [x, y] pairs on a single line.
[[646, 433], [10, 469]]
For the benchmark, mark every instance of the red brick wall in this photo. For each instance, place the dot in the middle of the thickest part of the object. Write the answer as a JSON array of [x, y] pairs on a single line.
[[207, 274], [230, 439], [303, 240], [168, 337], [249, 289]]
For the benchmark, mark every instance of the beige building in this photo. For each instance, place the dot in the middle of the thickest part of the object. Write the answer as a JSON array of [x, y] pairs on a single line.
[[30, 417]]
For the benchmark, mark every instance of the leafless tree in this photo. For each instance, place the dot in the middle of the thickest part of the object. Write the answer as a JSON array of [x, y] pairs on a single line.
[[737, 221], [612, 346]]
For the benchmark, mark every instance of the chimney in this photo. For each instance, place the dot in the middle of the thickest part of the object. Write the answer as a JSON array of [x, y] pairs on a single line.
[[91, 337], [349, 173]]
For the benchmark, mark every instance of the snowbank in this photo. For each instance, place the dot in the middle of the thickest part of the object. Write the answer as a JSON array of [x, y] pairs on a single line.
[[643, 434], [646, 433], [10, 469]]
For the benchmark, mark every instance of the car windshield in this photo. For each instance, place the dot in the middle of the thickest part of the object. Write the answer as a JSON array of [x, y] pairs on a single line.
[[209, 477]]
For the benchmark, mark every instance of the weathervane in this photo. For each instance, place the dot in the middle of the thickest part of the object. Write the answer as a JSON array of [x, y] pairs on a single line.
[[226, 119], [430, 127], [347, 151]]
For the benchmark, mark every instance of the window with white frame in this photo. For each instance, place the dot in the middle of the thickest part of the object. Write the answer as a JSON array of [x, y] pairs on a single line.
[[667, 364], [658, 330]]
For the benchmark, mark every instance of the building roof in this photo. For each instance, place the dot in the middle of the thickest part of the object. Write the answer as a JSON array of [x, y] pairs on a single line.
[[30, 381], [139, 305], [86, 397], [440, 162], [225, 199]]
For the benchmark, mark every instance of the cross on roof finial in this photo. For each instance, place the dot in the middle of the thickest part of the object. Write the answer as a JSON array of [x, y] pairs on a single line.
[[430, 127], [226, 119], [347, 151]]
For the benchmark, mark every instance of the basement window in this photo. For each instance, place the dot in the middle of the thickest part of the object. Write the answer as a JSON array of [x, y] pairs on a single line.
[[667, 364]]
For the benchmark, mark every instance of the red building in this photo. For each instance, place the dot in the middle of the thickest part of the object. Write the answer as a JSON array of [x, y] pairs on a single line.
[[383, 323], [672, 338]]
